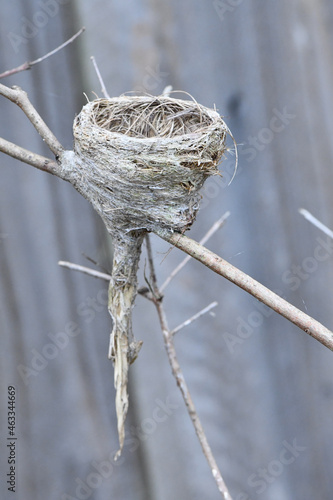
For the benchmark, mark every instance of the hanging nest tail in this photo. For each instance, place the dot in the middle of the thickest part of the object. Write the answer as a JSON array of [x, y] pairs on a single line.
[[141, 161]]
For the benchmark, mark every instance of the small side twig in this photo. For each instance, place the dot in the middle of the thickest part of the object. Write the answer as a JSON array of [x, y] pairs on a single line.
[[28, 64], [253, 287], [194, 317], [316, 222], [100, 79], [20, 97], [85, 270], [177, 372], [215, 227]]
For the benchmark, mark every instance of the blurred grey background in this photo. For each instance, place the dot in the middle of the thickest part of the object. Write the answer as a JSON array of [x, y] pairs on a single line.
[[262, 388]]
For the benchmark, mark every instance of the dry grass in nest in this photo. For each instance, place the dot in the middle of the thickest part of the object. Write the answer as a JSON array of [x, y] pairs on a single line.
[[145, 159], [148, 116]]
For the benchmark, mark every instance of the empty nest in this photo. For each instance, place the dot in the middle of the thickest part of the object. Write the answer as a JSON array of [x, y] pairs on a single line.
[[145, 117]]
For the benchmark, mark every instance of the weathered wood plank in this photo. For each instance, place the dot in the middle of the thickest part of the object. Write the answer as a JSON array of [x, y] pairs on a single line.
[[267, 67]]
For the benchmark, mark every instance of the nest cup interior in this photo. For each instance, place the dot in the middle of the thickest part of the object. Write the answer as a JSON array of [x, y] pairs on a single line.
[[144, 159], [147, 117]]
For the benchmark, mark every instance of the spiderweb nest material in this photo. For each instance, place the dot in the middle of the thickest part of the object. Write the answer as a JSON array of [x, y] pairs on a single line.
[[141, 161], [147, 158]]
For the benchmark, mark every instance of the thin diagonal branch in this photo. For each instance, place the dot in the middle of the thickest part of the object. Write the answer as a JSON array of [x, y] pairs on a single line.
[[253, 287], [20, 97], [85, 270], [177, 372], [316, 222], [38, 161], [100, 79], [145, 292], [194, 317], [215, 227], [28, 64]]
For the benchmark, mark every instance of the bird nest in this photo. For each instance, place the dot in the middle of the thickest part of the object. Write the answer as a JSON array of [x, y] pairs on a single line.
[[146, 117], [145, 159], [141, 162]]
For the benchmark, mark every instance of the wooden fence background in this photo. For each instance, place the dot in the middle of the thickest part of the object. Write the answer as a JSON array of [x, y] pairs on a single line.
[[260, 385]]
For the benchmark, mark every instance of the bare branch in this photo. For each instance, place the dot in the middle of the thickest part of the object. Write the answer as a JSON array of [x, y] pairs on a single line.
[[177, 372], [194, 317], [28, 64], [20, 97], [259, 291], [100, 79], [311, 218], [97, 274], [152, 269], [215, 227], [85, 270], [38, 161]]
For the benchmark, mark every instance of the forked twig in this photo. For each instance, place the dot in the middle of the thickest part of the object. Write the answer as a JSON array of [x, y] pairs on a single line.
[[28, 64], [177, 372], [20, 97]]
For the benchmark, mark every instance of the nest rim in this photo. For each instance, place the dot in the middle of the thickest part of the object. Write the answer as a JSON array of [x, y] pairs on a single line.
[[211, 118]]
